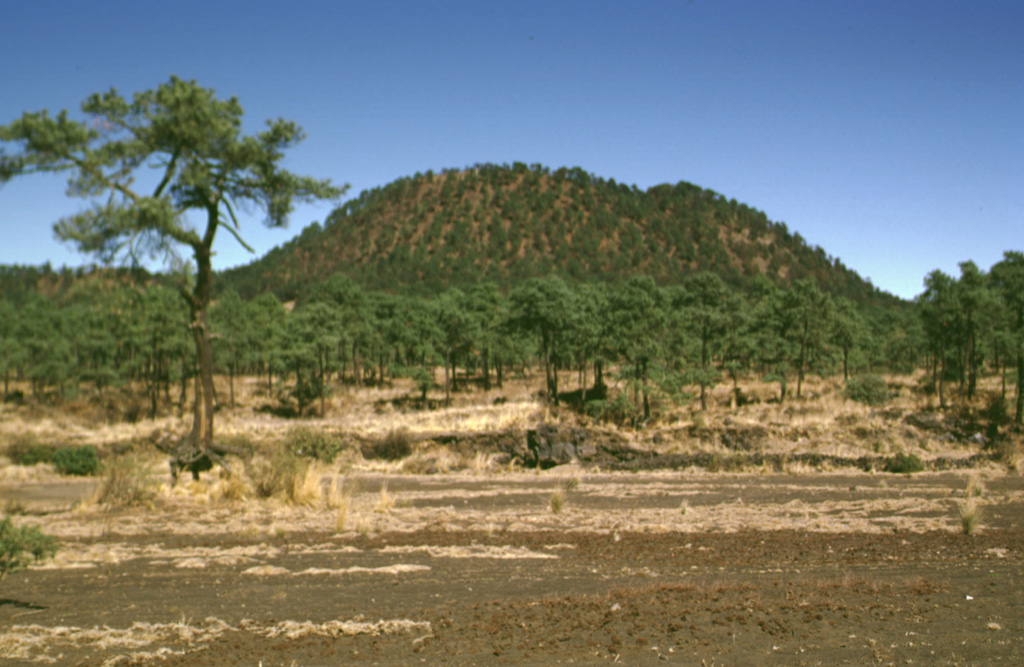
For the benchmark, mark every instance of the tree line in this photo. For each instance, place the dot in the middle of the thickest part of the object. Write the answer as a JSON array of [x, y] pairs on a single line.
[[658, 345]]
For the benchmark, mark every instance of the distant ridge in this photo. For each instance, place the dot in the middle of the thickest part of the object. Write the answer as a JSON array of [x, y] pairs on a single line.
[[426, 232]]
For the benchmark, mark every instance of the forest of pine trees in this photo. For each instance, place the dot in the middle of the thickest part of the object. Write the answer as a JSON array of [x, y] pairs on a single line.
[[663, 344]]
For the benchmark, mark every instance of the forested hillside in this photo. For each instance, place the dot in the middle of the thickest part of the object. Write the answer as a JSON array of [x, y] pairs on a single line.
[[491, 269], [504, 224]]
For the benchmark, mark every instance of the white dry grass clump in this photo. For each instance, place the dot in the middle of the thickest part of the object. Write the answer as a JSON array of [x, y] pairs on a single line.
[[50, 645], [295, 630], [473, 551]]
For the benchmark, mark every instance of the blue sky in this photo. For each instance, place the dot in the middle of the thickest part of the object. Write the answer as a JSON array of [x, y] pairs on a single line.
[[888, 133]]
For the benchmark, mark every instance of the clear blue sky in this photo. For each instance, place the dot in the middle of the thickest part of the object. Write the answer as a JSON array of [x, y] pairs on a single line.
[[889, 133]]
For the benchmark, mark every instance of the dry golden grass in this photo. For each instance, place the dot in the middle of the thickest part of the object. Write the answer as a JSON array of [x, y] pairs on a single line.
[[975, 487], [386, 503], [340, 499], [969, 512], [126, 483], [557, 500], [430, 460], [822, 421], [306, 487]]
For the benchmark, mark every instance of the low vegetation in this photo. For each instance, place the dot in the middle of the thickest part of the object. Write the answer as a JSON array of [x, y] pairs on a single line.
[[126, 483], [79, 461], [20, 546], [904, 464], [867, 389]]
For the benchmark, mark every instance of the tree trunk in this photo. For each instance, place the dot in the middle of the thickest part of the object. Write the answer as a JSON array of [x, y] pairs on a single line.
[[1020, 376], [200, 441], [447, 381], [355, 364], [972, 372], [647, 402], [803, 360], [202, 423], [941, 365], [323, 385], [184, 387]]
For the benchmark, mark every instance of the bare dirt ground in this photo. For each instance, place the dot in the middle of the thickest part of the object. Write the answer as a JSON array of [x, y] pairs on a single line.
[[496, 564], [478, 569]]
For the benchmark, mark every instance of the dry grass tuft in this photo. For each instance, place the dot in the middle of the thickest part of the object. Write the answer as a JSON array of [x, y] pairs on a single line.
[[974, 486], [126, 483], [229, 487], [306, 489], [558, 500], [969, 512], [386, 502], [340, 498], [482, 462], [432, 460], [274, 475]]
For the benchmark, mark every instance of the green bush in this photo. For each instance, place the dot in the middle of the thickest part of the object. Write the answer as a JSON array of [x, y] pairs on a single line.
[[869, 389], [27, 451], [904, 463], [20, 546], [619, 410], [397, 444], [79, 461], [311, 443]]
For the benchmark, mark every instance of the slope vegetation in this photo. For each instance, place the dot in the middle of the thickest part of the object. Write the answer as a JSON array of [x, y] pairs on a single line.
[[506, 223]]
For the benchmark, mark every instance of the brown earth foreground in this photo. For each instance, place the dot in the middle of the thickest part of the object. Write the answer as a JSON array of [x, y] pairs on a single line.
[[645, 568]]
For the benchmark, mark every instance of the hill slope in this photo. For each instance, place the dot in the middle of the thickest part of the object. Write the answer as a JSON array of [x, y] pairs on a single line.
[[505, 223]]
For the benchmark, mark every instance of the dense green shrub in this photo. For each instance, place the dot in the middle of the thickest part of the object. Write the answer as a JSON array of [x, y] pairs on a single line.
[[395, 445], [619, 410], [869, 389], [27, 451], [79, 461], [312, 443], [20, 546], [904, 463]]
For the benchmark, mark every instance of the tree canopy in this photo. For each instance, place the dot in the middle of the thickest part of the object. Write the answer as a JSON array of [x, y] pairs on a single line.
[[190, 145]]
